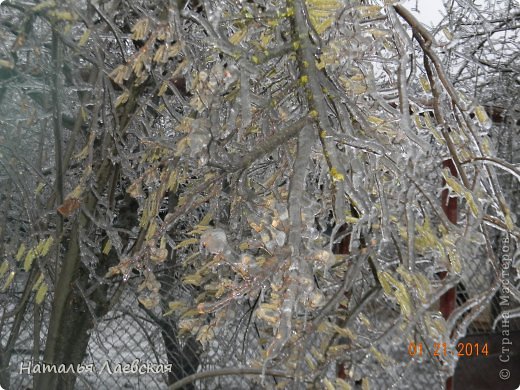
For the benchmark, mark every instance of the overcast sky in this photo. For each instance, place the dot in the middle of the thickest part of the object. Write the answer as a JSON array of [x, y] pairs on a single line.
[[428, 10]]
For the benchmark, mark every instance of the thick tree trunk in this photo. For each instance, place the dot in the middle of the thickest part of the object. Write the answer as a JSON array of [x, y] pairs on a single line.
[[67, 337], [77, 322]]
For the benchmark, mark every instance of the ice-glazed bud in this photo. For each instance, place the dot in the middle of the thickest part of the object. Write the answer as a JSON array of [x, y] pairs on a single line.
[[316, 299], [214, 241], [306, 284], [277, 235], [282, 211], [483, 118], [323, 258], [158, 255], [230, 76], [246, 261], [311, 233], [199, 137]]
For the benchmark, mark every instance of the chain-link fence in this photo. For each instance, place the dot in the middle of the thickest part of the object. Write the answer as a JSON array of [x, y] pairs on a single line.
[[130, 334]]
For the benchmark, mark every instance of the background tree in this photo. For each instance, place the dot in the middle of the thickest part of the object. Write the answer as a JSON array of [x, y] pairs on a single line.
[[57, 63], [212, 155], [481, 42]]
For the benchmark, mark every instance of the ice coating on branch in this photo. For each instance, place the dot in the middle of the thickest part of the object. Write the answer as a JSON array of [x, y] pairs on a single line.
[[245, 99], [199, 139], [282, 212], [483, 117], [199, 136], [214, 241]]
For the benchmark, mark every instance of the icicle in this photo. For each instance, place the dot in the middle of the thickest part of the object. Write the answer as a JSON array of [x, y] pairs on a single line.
[[385, 216], [245, 101], [410, 226], [284, 328]]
